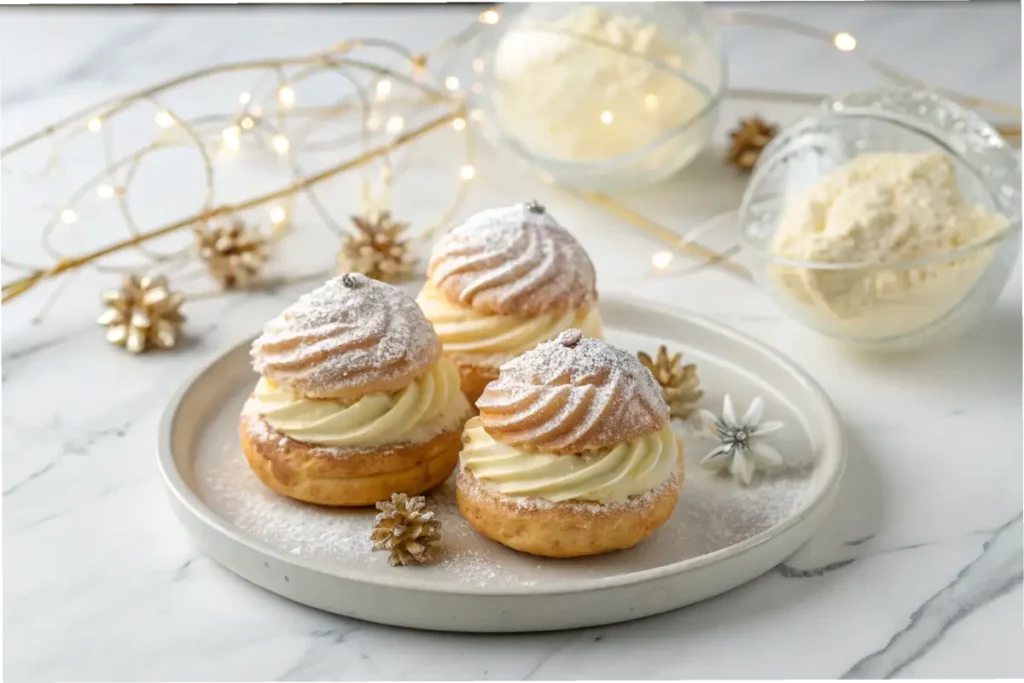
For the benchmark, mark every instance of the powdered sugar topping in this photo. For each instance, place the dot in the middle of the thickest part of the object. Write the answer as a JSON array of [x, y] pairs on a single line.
[[350, 337], [572, 395], [514, 260]]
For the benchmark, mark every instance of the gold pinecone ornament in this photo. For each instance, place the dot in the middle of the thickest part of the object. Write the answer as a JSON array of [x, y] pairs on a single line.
[[405, 527], [680, 385], [419, 64], [748, 139], [233, 252], [143, 314], [377, 248]]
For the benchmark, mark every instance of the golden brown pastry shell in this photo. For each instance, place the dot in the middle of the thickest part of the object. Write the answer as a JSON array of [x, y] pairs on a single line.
[[477, 371], [563, 529], [353, 478], [497, 302], [475, 375]]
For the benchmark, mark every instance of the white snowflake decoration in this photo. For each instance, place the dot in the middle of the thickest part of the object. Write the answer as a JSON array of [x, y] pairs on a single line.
[[741, 450]]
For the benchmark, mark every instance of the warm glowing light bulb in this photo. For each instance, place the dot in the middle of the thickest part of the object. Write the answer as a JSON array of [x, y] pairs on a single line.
[[231, 138], [68, 216], [281, 143], [651, 102], [95, 123], [490, 17], [452, 83], [164, 119], [459, 124], [383, 89], [467, 172], [476, 114], [845, 42], [661, 259], [606, 117], [245, 98], [277, 215], [286, 96], [395, 124], [372, 122], [247, 123], [105, 191]]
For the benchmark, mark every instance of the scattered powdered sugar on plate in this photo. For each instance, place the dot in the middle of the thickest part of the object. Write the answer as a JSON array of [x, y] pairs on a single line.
[[713, 513]]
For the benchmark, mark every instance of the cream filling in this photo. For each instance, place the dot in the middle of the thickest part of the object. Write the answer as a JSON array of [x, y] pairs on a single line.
[[463, 330], [428, 406], [605, 476]]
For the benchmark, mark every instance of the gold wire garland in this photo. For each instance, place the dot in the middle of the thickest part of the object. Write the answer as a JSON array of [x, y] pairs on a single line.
[[374, 84], [287, 139]]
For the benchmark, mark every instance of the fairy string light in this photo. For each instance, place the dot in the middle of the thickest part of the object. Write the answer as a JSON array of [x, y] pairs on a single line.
[[287, 126], [842, 41], [65, 264], [114, 181], [847, 43]]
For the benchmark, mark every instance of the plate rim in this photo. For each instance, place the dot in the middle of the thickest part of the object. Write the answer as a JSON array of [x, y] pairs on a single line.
[[834, 436]]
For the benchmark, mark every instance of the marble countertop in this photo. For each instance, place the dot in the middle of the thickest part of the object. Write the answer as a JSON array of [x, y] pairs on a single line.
[[917, 571]]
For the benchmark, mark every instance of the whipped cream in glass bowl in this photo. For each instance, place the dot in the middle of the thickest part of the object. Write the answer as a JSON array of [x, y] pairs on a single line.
[[889, 219], [602, 96]]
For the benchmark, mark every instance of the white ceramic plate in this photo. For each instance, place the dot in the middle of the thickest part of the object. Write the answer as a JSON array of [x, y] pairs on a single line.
[[720, 536]]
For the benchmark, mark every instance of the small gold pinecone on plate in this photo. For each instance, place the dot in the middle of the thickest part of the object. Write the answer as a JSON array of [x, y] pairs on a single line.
[[233, 252], [406, 528], [752, 135], [142, 314], [680, 385], [377, 248]]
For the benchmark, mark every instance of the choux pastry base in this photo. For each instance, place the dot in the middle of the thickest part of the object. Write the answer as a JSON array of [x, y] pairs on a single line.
[[474, 377], [477, 371], [562, 529], [356, 478]]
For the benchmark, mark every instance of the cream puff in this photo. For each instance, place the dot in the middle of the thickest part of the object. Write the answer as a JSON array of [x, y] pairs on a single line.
[[572, 453], [355, 401], [501, 283]]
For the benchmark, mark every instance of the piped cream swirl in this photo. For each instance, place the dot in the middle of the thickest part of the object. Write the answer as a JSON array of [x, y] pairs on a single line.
[[607, 476], [515, 260], [464, 331], [429, 405], [572, 395], [350, 337]]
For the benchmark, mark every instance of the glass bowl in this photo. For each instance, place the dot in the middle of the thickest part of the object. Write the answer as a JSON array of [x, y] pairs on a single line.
[[885, 304], [601, 96]]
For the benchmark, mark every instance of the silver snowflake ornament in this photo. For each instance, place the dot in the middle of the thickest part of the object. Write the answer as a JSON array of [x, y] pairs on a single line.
[[741, 450]]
